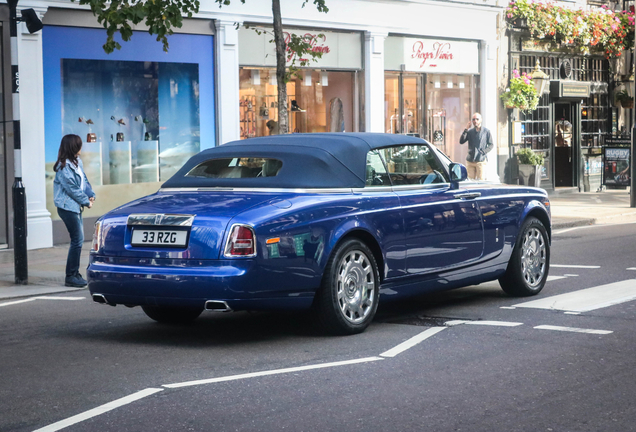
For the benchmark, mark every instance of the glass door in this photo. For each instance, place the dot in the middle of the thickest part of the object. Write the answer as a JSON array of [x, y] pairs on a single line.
[[403, 104]]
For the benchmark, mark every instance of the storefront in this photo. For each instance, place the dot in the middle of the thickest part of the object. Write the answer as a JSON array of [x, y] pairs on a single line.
[[324, 98], [141, 112], [432, 87], [572, 120]]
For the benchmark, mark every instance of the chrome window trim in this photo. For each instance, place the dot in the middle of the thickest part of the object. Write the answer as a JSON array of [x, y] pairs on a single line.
[[261, 190], [160, 219], [227, 242]]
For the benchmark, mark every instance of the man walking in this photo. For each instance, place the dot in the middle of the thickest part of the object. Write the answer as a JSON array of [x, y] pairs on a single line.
[[479, 143]]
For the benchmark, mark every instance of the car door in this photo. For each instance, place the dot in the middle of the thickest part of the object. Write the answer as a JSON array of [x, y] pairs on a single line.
[[442, 226]]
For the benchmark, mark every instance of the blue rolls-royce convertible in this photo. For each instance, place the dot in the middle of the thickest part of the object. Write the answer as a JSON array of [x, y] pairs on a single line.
[[329, 222]]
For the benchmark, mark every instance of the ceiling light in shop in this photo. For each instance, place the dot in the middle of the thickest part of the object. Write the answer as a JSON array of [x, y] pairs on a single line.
[[460, 82], [272, 78], [324, 78], [437, 83], [449, 83], [256, 77], [307, 81]]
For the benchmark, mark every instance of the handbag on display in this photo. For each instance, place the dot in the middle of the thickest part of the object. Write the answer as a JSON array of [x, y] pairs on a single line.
[[91, 138], [438, 136], [264, 111]]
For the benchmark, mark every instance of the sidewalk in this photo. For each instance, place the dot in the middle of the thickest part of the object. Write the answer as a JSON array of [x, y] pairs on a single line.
[[46, 266]]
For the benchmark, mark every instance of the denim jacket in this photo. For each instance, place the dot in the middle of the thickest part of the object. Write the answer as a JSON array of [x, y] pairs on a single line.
[[67, 191]]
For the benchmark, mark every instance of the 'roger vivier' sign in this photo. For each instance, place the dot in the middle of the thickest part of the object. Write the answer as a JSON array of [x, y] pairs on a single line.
[[431, 55]]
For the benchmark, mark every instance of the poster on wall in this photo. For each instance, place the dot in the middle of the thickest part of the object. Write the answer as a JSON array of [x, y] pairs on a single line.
[[616, 166]]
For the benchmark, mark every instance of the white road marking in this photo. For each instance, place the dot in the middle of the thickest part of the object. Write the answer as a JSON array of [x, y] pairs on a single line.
[[631, 268], [573, 266], [572, 313], [271, 372], [99, 410], [507, 307], [587, 299], [553, 278], [17, 302], [60, 298], [410, 343], [41, 298], [485, 323], [570, 275], [573, 329]]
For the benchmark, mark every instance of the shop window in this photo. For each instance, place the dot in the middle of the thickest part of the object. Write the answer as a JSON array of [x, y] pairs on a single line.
[[317, 101], [138, 110]]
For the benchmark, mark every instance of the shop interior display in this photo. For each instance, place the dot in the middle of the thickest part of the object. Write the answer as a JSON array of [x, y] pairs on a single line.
[[436, 122]]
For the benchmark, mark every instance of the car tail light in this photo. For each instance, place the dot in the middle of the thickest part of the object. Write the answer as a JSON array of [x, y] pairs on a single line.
[[241, 242], [96, 237]]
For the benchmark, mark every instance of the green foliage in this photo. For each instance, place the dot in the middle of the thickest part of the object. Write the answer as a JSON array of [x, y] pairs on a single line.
[[527, 156], [161, 16], [622, 96]]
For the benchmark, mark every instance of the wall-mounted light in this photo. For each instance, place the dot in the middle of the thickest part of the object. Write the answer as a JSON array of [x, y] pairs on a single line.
[[256, 77], [324, 78], [540, 79]]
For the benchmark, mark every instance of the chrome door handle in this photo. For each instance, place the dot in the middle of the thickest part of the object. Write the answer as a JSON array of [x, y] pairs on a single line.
[[471, 195]]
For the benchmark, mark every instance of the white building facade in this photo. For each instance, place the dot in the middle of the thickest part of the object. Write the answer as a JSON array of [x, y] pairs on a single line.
[[417, 67]]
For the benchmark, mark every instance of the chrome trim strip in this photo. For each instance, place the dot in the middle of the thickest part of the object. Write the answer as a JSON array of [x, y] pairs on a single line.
[[261, 190], [160, 219]]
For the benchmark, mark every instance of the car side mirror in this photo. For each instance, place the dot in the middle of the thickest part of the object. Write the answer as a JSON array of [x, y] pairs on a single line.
[[458, 173]]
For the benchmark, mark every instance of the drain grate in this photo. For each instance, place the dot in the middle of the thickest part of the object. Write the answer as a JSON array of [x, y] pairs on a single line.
[[424, 321]]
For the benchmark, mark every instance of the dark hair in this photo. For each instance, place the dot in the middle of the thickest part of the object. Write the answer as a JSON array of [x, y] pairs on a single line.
[[69, 148]]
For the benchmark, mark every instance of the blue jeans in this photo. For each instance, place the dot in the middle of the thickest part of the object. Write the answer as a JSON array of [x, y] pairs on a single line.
[[73, 222]]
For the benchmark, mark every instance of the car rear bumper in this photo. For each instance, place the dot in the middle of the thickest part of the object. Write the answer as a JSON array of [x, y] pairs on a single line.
[[239, 283]]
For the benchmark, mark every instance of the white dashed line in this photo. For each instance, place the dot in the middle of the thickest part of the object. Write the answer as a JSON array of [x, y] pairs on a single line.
[[41, 298], [573, 266], [17, 302], [271, 372], [573, 329], [631, 268], [412, 342], [99, 410]]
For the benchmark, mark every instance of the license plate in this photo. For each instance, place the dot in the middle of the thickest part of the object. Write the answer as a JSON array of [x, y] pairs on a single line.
[[148, 237]]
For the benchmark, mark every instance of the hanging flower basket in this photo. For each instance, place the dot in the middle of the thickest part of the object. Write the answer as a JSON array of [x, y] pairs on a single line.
[[628, 104], [521, 93]]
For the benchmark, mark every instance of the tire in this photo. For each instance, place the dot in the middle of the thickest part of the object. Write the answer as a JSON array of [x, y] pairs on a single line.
[[172, 315], [529, 263], [348, 297]]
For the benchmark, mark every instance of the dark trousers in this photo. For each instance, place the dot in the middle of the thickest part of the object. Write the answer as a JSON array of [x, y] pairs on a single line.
[[73, 222]]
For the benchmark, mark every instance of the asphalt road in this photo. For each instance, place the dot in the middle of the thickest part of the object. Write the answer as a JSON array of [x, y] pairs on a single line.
[[69, 364]]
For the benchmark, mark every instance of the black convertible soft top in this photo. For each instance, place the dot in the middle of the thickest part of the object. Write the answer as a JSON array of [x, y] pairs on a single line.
[[318, 160]]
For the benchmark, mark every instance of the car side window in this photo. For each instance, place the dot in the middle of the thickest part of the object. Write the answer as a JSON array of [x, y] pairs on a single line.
[[414, 164], [376, 174]]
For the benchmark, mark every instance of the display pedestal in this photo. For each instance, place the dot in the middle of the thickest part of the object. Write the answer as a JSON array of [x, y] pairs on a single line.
[[92, 160], [145, 161], [120, 162]]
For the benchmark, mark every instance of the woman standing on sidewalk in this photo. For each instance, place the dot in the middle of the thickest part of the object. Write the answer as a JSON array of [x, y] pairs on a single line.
[[72, 192]]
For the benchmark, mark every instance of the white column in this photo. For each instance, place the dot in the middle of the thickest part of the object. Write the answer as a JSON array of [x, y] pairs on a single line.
[[489, 101], [374, 81], [227, 80], [39, 226]]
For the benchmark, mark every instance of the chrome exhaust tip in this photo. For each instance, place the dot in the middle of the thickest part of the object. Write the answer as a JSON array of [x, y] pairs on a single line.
[[217, 305], [99, 298]]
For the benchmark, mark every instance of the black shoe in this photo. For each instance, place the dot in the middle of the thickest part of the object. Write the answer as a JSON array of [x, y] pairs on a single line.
[[75, 281], [295, 107]]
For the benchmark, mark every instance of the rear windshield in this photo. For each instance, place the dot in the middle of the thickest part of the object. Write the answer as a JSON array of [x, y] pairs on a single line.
[[236, 168]]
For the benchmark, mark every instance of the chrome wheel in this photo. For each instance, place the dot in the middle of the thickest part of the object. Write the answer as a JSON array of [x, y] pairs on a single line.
[[533, 257], [355, 286]]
